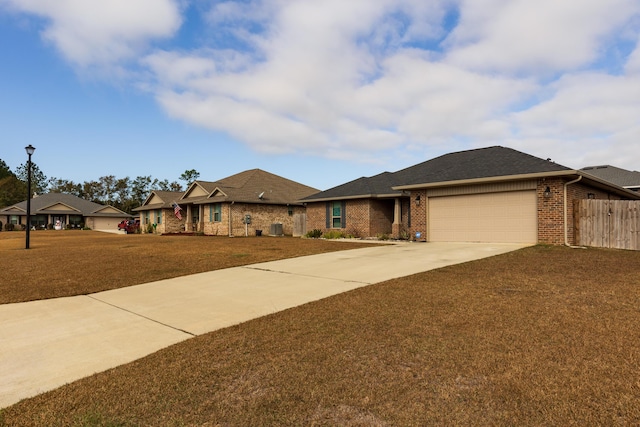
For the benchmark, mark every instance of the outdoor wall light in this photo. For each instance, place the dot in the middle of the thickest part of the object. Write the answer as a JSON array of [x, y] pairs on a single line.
[[591, 196], [547, 192], [417, 200]]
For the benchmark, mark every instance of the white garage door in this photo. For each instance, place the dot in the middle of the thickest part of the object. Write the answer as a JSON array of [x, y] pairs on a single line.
[[107, 224], [509, 217]]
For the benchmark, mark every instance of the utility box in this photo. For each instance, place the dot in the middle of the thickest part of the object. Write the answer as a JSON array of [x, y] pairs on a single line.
[[276, 229]]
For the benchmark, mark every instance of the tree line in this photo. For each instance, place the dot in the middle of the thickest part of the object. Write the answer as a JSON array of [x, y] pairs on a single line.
[[125, 193]]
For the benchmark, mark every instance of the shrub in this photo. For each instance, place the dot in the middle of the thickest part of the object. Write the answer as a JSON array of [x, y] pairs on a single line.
[[382, 236], [8, 226], [150, 228], [314, 234], [333, 234], [0, 225]]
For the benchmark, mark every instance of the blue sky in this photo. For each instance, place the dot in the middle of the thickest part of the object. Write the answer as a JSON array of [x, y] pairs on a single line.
[[318, 92]]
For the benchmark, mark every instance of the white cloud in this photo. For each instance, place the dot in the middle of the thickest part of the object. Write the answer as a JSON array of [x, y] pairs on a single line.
[[322, 83], [535, 37], [365, 78], [95, 32]]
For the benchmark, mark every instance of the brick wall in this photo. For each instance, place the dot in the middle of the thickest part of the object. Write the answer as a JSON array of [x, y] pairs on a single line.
[[262, 216], [381, 217], [364, 217], [418, 215], [551, 209]]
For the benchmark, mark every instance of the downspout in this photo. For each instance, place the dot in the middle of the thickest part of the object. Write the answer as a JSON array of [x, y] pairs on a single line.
[[230, 223], [566, 228]]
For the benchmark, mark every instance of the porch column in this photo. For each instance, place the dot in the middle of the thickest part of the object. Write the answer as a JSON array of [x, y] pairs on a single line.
[[188, 226], [397, 212], [397, 219]]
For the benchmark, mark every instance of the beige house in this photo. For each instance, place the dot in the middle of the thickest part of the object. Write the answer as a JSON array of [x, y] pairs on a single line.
[[59, 211], [249, 203]]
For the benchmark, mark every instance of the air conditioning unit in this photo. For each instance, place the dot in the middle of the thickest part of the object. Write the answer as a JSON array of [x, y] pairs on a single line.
[[276, 230]]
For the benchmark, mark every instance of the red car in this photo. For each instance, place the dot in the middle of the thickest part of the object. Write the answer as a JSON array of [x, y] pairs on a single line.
[[129, 226]]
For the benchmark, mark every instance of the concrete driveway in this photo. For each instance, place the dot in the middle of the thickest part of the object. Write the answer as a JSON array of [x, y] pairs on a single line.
[[46, 344]]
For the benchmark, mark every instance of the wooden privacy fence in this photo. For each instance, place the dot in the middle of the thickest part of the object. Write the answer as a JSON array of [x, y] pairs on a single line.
[[607, 223]]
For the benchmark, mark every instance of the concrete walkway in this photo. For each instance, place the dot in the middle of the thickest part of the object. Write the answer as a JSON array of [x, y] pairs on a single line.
[[46, 344]]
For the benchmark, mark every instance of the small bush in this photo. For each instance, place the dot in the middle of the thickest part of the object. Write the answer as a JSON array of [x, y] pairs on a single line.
[[150, 228], [334, 234], [8, 226], [314, 234], [0, 225], [383, 236]]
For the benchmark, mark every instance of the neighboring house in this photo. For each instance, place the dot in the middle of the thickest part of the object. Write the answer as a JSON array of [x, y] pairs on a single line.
[[622, 177], [493, 194], [247, 203], [59, 210], [158, 209]]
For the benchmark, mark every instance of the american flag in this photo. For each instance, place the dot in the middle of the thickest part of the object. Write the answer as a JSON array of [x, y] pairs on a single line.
[[176, 211]]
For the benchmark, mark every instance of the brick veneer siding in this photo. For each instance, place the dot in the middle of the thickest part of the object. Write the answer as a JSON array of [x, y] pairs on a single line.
[[418, 215], [262, 216], [551, 210], [364, 217]]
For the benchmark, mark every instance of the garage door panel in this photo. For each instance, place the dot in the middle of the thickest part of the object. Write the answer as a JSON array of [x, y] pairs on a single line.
[[509, 217]]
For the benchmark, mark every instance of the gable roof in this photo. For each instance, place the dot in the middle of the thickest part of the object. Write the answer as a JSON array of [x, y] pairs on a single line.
[[256, 186], [62, 203], [243, 187], [470, 166], [378, 186], [480, 163], [622, 177], [158, 199]]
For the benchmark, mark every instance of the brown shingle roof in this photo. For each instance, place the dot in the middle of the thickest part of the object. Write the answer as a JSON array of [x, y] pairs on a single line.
[[253, 186]]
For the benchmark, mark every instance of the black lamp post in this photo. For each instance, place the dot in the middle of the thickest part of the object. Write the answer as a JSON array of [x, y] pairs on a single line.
[[30, 149]]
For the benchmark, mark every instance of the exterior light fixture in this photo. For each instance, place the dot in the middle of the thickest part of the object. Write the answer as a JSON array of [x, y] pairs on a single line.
[[417, 200], [591, 196], [30, 150], [547, 193]]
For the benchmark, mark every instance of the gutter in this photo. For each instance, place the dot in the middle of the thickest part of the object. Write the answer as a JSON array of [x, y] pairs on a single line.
[[566, 228]]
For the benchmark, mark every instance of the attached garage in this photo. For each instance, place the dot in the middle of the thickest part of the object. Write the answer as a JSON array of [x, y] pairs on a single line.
[[500, 217], [106, 224]]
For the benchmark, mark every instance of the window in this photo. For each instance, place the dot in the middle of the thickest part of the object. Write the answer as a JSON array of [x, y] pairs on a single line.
[[159, 216], [39, 221], [217, 212], [14, 219], [146, 217], [336, 214], [75, 221]]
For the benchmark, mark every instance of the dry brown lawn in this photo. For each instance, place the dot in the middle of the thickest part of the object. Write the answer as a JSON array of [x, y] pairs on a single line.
[[73, 262], [541, 336]]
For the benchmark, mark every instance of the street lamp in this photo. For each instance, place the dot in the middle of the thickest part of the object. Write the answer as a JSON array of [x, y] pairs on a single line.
[[30, 149]]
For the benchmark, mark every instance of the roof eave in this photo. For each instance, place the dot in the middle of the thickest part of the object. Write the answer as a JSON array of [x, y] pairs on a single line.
[[490, 179], [357, 197]]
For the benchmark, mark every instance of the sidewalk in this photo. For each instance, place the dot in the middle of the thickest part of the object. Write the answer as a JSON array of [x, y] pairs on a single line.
[[46, 344]]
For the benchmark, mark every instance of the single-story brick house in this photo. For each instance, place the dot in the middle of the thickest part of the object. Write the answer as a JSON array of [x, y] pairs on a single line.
[[246, 203], [59, 210], [492, 194]]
